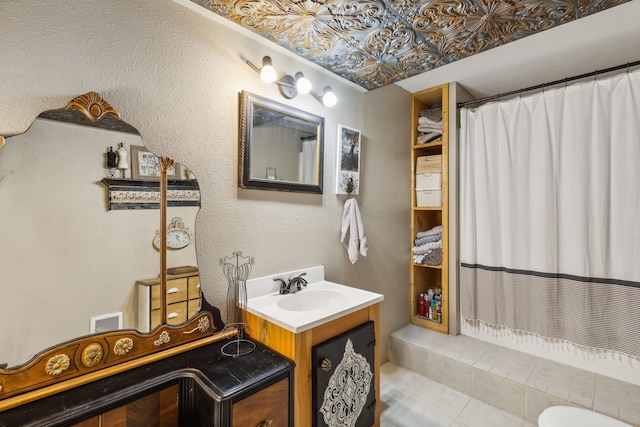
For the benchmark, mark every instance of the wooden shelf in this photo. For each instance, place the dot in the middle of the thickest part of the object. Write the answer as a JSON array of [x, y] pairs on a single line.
[[427, 208], [423, 277], [427, 146], [429, 324], [124, 194], [437, 267]]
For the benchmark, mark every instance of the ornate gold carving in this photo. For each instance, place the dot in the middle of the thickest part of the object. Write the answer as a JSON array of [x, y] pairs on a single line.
[[203, 326], [92, 355], [123, 346], [57, 364], [377, 42], [138, 348], [162, 339], [93, 106]]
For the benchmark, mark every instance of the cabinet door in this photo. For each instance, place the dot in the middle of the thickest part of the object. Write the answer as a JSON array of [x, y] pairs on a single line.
[[91, 422], [193, 307], [177, 313], [155, 410], [343, 379], [194, 287], [267, 407], [177, 290]]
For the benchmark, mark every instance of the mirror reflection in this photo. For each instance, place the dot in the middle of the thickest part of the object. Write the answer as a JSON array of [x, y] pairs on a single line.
[[70, 264], [282, 147]]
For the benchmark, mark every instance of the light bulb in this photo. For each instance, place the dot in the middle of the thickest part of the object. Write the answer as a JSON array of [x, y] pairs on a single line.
[[302, 83], [329, 98], [267, 72]]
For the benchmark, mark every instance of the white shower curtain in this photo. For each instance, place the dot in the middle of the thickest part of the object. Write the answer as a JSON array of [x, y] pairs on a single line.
[[550, 214], [307, 162]]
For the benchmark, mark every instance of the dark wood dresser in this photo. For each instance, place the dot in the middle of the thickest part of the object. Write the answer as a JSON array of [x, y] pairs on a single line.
[[201, 387]]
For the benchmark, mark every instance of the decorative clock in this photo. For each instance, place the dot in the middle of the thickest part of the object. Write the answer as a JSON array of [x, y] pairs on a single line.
[[178, 236]]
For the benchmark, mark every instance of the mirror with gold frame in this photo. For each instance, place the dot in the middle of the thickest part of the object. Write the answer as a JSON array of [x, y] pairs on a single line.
[[68, 258], [281, 147]]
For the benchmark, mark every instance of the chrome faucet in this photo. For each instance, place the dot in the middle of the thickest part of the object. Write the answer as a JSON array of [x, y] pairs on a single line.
[[284, 289], [298, 281], [293, 285]]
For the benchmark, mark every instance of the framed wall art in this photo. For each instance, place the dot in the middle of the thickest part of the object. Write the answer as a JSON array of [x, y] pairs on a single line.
[[348, 167], [144, 164]]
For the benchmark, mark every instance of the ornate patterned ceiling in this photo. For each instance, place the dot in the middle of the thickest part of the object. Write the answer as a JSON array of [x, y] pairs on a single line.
[[377, 42]]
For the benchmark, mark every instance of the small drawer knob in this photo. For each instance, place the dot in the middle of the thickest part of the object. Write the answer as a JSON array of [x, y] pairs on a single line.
[[325, 365], [265, 423]]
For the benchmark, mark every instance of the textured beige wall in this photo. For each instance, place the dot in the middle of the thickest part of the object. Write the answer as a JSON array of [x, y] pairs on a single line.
[[176, 76]]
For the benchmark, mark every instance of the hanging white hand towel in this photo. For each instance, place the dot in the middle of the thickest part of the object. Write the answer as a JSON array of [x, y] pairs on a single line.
[[353, 237]]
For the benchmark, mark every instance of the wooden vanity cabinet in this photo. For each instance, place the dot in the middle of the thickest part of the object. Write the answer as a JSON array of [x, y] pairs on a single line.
[[267, 407], [198, 388], [156, 409], [298, 347]]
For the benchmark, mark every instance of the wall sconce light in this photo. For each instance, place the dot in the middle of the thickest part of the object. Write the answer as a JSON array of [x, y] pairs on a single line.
[[267, 72], [302, 83], [328, 98], [289, 86]]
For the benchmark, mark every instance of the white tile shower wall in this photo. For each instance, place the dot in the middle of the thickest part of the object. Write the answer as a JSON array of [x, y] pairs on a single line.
[[515, 382]]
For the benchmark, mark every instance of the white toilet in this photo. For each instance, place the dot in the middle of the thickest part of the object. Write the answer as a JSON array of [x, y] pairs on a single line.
[[567, 416]]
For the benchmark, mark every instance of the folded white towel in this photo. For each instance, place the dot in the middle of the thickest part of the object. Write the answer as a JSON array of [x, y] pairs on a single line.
[[433, 113], [423, 138], [427, 129], [427, 121], [426, 248], [435, 230], [353, 238]]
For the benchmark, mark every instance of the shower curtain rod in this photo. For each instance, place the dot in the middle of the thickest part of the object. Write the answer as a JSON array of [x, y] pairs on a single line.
[[543, 85]]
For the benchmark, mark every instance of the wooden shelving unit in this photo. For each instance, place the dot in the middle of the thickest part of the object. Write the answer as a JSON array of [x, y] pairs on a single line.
[[424, 276]]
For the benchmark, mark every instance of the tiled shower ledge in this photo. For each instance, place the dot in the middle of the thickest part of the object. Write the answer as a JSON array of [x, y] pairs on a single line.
[[515, 382]]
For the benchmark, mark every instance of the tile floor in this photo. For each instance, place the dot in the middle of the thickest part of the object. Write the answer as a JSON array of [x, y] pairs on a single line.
[[412, 400], [520, 384]]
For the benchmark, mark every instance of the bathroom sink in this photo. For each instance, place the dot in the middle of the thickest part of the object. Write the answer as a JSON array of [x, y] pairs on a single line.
[[310, 299], [321, 301]]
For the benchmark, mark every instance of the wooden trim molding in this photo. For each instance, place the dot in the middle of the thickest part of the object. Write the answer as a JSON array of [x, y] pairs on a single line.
[[97, 356]]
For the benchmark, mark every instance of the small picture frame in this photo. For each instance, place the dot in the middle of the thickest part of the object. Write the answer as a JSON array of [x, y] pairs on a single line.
[[348, 167], [145, 165]]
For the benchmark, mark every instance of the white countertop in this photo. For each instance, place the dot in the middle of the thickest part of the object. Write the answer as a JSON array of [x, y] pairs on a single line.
[[319, 302]]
